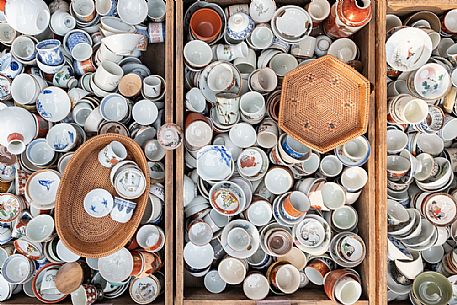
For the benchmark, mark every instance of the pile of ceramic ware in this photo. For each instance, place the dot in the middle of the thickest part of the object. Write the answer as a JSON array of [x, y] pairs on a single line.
[[255, 198], [70, 71], [421, 145]]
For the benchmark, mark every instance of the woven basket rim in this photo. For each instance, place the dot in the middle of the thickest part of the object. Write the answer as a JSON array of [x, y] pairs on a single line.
[[133, 224], [345, 70]]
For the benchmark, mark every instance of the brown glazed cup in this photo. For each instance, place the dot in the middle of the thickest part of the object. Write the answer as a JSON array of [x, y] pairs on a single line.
[[206, 24], [333, 277]]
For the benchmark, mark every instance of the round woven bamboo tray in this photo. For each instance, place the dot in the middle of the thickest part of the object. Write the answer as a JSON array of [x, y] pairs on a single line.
[[324, 104], [85, 235]]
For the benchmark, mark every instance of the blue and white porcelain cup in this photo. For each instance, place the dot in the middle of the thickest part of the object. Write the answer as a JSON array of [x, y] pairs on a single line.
[[9, 66], [295, 149], [49, 52], [79, 44], [123, 210]]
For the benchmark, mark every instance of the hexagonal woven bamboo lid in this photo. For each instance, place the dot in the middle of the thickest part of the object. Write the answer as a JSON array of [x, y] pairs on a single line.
[[324, 104]]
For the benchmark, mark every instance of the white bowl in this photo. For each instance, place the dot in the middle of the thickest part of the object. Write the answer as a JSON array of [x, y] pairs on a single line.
[[145, 112], [122, 44], [243, 135], [39, 152], [115, 25], [53, 104], [30, 17], [98, 203], [132, 11], [214, 163], [278, 180], [61, 137], [41, 188], [114, 107]]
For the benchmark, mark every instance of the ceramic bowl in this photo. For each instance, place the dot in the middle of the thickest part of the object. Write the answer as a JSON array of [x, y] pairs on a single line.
[[252, 240], [62, 137], [53, 104], [214, 163], [227, 198], [291, 23], [123, 43], [41, 188], [132, 12]]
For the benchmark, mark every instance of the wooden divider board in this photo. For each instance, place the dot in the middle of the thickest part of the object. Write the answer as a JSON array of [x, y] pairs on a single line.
[[160, 60], [192, 293], [402, 8]]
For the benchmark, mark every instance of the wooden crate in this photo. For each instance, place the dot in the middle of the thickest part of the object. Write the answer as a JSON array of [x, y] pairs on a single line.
[[192, 292], [401, 8], [160, 60]]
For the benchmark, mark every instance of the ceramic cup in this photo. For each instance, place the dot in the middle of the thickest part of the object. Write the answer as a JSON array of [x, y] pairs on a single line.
[[84, 10], [232, 270], [284, 277], [252, 107], [227, 108], [79, 44], [263, 80], [330, 166], [62, 22], [86, 295], [108, 75], [123, 210], [112, 154], [304, 48], [267, 133], [151, 238], [206, 24], [49, 52], [152, 86]]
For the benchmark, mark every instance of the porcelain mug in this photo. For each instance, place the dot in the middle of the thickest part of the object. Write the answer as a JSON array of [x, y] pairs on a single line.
[[227, 108], [112, 154], [123, 210]]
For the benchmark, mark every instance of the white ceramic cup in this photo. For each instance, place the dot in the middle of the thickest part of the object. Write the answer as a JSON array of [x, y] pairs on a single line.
[[267, 133], [112, 154], [287, 278], [330, 166], [23, 47], [199, 232], [348, 290], [227, 108], [62, 22], [195, 100], [318, 10], [220, 78], [396, 140], [311, 165], [145, 112], [344, 49], [252, 106], [246, 64], [40, 228], [7, 34], [256, 286], [213, 282], [262, 36], [344, 218], [356, 149], [197, 54], [232, 270], [304, 48], [263, 80], [152, 86], [84, 10], [108, 75], [354, 178], [283, 63], [156, 10], [25, 89], [151, 238], [333, 195]]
